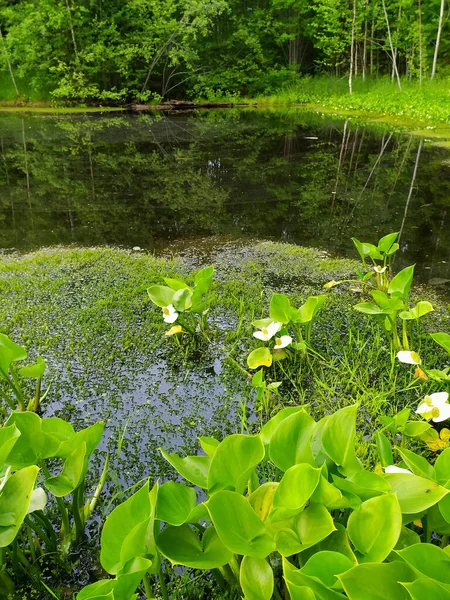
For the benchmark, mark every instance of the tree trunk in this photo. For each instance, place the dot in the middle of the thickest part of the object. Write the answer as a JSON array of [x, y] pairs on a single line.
[[420, 43], [352, 50], [72, 31], [9, 63], [438, 39], [394, 59]]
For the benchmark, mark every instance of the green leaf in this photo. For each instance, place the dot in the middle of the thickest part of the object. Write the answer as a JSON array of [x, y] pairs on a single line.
[[34, 443], [310, 308], [175, 503], [375, 527], [291, 441], [161, 295], [429, 560], [385, 243], [256, 578], [9, 352], [233, 462], [384, 449], [443, 339], [35, 371], [337, 541], [38, 500], [193, 468], [203, 279], [338, 439], [401, 283], [414, 429], [408, 537], [90, 436], [415, 494], [182, 547], [238, 526], [261, 500], [280, 308], [417, 464], [296, 488], [326, 565], [370, 309], [124, 532], [304, 587], [377, 581], [71, 475], [269, 428], [365, 249], [15, 500], [208, 444], [8, 438], [422, 308], [259, 357], [423, 589], [175, 284], [182, 299], [442, 467], [312, 526]]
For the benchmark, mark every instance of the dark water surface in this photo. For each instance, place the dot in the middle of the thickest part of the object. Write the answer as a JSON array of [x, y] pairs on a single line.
[[148, 180]]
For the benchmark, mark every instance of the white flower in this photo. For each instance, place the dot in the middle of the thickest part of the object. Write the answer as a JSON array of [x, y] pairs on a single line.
[[282, 341], [268, 332], [379, 269], [435, 407], [394, 469], [170, 315], [408, 357]]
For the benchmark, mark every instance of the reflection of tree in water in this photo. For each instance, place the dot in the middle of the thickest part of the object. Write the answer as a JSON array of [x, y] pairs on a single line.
[[137, 179]]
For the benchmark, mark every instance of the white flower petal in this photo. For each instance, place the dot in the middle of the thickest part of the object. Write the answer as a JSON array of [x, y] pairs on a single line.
[[439, 398], [394, 469], [171, 318], [273, 328], [408, 357], [261, 336], [444, 413], [285, 340], [423, 408]]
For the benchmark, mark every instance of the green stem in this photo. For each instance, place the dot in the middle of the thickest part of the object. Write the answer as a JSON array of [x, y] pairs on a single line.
[[31, 543], [16, 389], [37, 395], [218, 576], [234, 566], [405, 336], [65, 525], [162, 583], [78, 511], [98, 489], [148, 587], [444, 541], [426, 530], [46, 530]]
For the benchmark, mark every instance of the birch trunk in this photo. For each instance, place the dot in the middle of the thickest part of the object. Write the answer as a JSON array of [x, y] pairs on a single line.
[[438, 39]]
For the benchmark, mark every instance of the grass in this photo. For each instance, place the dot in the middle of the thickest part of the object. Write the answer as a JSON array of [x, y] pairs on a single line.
[[87, 312]]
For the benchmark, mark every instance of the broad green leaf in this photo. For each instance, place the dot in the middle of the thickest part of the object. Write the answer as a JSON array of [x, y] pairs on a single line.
[[296, 488], [304, 587], [57, 428], [363, 487], [120, 588], [100, 590], [310, 308], [408, 537], [326, 565], [337, 541], [8, 438], [312, 526], [71, 475], [193, 468], [417, 464], [260, 357], [393, 249], [261, 323], [414, 429], [422, 308], [332, 498], [365, 249], [161, 295], [429, 560], [38, 500], [90, 436], [444, 506], [373, 581], [424, 589], [175, 503], [238, 526], [175, 284], [33, 443], [203, 279], [15, 500], [208, 444], [280, 308], [182, 299], [414, 493], [261, 500], [233, 462], [443, 339], [9, 352], [442, 467], [269, 428], [436, 520], [338, 439], [385, 243], [35, 371], [401, 283], [375, 527], [124, 532], [369, 309], [290, 443], [384, 449], [256, 578], [182, 546], [258, 378]]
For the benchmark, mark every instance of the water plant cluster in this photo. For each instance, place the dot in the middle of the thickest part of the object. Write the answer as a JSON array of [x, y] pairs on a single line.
[[293, 506]]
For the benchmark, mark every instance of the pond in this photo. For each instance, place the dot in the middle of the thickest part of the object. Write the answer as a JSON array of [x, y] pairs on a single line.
[[150, 180]]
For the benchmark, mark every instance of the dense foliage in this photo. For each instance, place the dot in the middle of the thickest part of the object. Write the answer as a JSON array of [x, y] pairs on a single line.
[[112, 51]]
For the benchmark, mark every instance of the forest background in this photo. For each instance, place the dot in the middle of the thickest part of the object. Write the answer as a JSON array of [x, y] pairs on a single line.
[[115, 51]]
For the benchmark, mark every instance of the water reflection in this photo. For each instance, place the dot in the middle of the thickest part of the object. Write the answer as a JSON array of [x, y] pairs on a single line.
[[149, 179]]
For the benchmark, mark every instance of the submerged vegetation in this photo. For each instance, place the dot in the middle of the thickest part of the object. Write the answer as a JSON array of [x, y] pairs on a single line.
[[339, 473]]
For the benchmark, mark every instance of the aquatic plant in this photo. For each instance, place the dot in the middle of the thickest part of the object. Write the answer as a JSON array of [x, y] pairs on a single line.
[[48, 452], [12, 392], [285, 320], [188, 305], [296, 497]]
